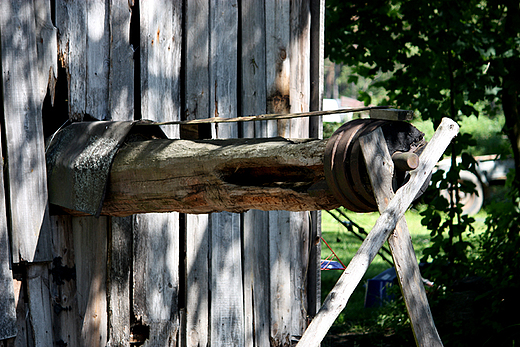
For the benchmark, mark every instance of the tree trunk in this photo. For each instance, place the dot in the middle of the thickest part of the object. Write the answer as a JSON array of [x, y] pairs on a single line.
[[510, 107], [510, 90]]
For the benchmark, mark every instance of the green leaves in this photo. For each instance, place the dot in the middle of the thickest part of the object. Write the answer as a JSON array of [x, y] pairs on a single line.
[[434, 48], [446, 59]]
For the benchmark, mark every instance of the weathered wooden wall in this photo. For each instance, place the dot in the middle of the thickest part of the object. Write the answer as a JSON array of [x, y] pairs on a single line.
[[225, 279]]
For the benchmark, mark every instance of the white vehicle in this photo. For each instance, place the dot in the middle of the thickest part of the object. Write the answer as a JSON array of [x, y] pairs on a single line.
[[490, 171]]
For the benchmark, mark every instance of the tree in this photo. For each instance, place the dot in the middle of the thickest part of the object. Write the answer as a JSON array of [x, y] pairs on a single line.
[[448, 58]]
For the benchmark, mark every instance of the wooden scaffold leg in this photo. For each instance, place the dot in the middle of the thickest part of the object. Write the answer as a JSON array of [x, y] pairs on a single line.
[[396, 206], [380, 169]]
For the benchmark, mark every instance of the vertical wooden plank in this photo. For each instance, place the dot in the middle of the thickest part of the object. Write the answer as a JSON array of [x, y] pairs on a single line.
[[277, 62], [97, 59], [300, 24], [46, 46], [156, 236], [299, 231], [90, 252], [66, 324], [278, 101], [316, 131], [300, 20], [256, 277], [197, 59], [30, 228], [197, 95], [255, 223], [223, 66], [253, 63], [161, 43], [121, 73], [7, 300], [71, 20], [119, 280], [121, 107], [39, 304], [27, 178], [280, 282], [227, 317], [156, 278], [197, 280]]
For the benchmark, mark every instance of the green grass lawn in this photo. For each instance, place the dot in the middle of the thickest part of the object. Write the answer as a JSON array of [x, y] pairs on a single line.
[[355, 319]]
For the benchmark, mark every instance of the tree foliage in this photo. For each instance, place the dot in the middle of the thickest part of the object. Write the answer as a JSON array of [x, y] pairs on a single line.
[[446, 59]]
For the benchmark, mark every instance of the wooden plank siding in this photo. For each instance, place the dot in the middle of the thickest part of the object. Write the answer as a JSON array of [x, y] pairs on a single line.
[[255, 231], [22, 126], [169, 279], [278, 101], [8, 327], [27, 68], [316, 131], [226, 304], [90, 256], [121, 92], [156, 236], [63, 284], [197, 230]]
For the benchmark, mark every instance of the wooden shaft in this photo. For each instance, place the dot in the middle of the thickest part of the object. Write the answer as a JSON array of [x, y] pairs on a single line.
[[405, 161], [218, 175]]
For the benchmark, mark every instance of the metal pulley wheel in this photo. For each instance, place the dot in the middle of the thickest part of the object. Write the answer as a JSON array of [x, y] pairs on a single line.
[[344, 165]]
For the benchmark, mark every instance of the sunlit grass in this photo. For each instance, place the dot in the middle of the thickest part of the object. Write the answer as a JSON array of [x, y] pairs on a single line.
[[355, 318]]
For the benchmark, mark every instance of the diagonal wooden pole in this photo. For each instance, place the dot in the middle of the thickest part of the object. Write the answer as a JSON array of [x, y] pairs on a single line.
[[380, 170], [386, 223]]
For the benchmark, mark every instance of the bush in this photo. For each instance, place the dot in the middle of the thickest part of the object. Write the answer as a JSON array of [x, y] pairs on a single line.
[[477, 276]]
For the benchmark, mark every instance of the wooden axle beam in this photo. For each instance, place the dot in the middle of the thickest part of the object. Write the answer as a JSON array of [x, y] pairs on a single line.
[[124, 168], [218, 175]]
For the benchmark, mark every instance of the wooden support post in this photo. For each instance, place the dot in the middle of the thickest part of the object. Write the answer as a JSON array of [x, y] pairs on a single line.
[[386, 223], [380, 169]]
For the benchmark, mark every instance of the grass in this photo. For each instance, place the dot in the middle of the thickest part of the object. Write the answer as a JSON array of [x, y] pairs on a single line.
[[345, 245], [355, 318]]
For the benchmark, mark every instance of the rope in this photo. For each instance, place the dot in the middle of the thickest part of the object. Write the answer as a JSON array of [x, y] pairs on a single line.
[[270, 116], [344, 267], [361, 230]]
